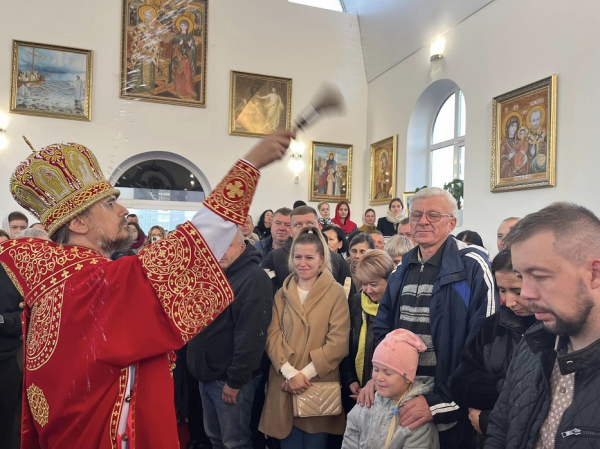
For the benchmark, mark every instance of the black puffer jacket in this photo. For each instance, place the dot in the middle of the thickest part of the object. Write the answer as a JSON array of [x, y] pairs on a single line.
[[525, 398], [277, 260], [484, 361], [231, 347]]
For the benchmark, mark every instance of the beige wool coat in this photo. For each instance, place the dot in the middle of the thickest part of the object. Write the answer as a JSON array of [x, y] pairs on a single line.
[[317, 332]]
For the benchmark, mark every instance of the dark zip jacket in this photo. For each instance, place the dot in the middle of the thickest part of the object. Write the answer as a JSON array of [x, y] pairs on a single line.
[[484, 361], [231, 347], [10, 331], [525, 398]]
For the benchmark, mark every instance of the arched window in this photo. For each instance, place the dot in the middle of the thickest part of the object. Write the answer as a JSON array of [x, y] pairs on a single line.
[[447, 143], [161, 188]]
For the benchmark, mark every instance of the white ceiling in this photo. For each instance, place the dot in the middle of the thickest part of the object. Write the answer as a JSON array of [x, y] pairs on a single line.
[[394, 29]]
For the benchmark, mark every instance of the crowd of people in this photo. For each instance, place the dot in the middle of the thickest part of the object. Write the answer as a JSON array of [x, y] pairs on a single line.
[[405, 331]]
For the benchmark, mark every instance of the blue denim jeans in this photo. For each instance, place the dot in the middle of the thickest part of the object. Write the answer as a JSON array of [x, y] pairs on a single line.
[[228, 426], [299, 439]]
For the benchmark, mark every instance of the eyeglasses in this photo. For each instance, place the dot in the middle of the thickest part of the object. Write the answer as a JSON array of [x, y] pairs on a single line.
[[432, 216]]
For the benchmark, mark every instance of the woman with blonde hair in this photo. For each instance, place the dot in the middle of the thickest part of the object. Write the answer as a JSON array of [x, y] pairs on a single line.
[[306, 341], [155, 234], [373, 271], [397, 246]]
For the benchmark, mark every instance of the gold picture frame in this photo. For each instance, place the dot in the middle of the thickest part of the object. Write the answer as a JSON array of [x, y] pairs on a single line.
[[51, 81], [163, 51], [524, 137], [259, 104], [406, 197], [330, 177], [382, 178]]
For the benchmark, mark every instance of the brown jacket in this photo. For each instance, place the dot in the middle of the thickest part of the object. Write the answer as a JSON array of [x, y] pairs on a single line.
[[317, 332]]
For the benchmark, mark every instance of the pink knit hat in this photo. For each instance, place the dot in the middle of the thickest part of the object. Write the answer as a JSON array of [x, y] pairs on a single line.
[[399, 351]]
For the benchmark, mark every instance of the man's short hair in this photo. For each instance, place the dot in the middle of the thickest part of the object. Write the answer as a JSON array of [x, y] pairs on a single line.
[[431, 192], [13, 216], [404, 221], [362, 237], [304, 210], [378, 232], [576, 230], [132, 216], [285, 211], [32, 233], [510, 219], [298, 204]]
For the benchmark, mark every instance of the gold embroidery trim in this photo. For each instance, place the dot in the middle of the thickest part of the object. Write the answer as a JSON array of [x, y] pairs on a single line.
[[44, 328], [117, 408], [40, 410], [187, 279], [231, 199]]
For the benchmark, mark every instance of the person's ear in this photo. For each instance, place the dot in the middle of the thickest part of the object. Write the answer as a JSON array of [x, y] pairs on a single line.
[[595, 272], [80, 225]]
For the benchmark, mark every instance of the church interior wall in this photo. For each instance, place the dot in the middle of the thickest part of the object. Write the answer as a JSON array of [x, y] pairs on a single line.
[[270, 37]]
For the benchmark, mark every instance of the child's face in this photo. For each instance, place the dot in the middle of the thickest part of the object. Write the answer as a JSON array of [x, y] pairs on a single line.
[[389, 383]]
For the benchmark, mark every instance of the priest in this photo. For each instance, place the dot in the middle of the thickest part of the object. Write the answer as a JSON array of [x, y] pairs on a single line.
[[99, 334]]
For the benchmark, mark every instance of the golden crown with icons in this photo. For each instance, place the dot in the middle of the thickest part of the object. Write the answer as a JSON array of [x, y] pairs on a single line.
[[59, 182]]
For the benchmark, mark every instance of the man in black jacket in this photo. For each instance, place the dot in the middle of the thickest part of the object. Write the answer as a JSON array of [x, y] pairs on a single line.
[[226, 356], [278, 260], [551, 394]]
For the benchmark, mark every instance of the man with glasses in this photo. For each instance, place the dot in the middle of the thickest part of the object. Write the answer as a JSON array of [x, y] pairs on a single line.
[[443, 291], [281, 230]]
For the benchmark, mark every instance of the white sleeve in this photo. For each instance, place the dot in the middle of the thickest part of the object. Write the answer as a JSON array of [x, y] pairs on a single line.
[[217, 232], [288, 371], [309, 371]]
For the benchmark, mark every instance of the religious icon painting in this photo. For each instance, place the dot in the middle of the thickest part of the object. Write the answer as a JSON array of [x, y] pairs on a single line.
[[406, 199], [524, 137], [259, 104], [163, 51], [330, 172], [382, 179], [51, 81]]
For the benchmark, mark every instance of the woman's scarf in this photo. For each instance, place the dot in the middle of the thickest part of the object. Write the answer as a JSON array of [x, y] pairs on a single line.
[[371, 308], [392, 218], [349, 226]]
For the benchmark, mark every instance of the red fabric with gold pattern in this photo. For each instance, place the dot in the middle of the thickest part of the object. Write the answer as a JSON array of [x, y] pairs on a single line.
[[59, 182], [110, 314], [232, 197]]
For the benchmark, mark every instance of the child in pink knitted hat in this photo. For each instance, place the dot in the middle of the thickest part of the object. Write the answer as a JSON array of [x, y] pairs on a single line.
[[395, 363]]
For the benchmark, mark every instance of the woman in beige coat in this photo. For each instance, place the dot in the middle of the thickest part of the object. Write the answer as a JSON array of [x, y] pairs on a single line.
[[307, 340]]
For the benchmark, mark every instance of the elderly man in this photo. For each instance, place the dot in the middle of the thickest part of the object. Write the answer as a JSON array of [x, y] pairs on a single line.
[[378, 239], [281, 229], [503, 231], [278, 260], [100, 333], [226, 356], [443, 291], [550, 395], [404, 230], [247, 231]]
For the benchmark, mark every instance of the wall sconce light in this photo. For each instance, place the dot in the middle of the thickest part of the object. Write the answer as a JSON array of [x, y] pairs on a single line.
[[436, 51], [3, 126], [296, 164]]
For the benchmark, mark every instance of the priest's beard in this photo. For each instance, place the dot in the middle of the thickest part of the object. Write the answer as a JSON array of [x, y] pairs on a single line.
[[121, 243]]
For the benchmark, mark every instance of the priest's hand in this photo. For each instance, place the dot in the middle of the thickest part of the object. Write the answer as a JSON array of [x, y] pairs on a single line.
[[366, 396], [299, 384], [229, 395], [270, 149], [415, 413]]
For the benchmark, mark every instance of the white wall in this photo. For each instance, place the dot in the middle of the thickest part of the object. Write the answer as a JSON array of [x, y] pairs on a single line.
[[270, 37], [504, 46]]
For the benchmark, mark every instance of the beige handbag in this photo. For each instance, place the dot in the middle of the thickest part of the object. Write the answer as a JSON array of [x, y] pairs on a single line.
[[322, 399]]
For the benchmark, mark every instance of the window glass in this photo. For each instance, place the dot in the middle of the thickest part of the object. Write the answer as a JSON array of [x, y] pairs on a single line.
[[442, 166], [462, 116], [443, 128]]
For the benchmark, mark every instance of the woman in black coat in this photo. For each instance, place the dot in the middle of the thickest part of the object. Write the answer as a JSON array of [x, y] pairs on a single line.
[[388, 225], [373, 269], [478, 381]]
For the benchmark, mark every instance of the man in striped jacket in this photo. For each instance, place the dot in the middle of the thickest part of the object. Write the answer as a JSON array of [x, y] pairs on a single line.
[[443, 291]]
